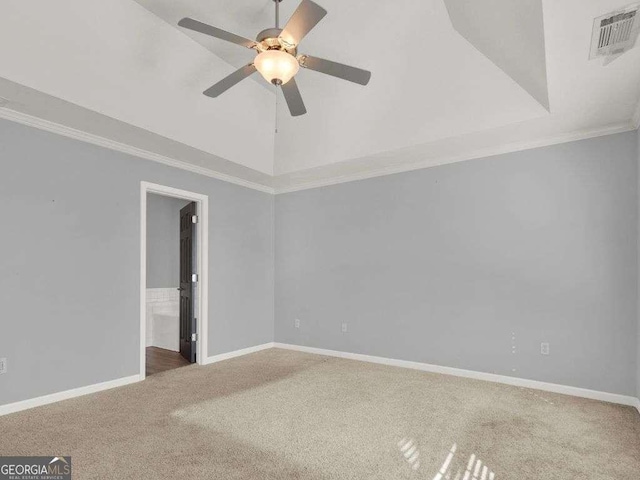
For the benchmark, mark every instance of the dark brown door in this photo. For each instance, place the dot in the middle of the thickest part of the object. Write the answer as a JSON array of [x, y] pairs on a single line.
[[187, 282]]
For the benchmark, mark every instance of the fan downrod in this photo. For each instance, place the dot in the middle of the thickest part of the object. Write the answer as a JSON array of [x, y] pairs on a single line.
[[277, 2]]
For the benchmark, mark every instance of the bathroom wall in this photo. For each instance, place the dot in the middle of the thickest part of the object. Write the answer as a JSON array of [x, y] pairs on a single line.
[[163, 241]]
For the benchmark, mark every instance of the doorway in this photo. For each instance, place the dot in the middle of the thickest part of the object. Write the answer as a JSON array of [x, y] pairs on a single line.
[[173, 278]]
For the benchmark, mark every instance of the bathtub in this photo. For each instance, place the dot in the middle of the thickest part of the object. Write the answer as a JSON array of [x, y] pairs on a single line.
[[163, 318]]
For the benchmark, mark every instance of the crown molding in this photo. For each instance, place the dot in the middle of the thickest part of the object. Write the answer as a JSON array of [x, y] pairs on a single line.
[[65, 131], [49, 126], [475, 154]]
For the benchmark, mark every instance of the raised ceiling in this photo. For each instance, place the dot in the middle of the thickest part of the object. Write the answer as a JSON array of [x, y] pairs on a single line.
[[433, 97]]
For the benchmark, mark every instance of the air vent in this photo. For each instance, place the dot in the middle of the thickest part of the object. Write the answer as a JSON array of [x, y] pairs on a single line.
[[615, 33]]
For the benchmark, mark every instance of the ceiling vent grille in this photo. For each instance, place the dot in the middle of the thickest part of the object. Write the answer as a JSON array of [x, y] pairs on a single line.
[[615, 33]]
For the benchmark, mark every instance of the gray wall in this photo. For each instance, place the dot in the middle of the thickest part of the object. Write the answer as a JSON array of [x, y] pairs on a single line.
[[163, 241], [439, 265], [70, 261], [444, 264]]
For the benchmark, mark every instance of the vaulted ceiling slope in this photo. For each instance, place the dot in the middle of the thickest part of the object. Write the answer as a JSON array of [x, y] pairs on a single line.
[[437, 94], [511, 35], [118, 59]]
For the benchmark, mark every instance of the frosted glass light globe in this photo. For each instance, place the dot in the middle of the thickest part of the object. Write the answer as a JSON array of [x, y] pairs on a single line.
[[276, 66]]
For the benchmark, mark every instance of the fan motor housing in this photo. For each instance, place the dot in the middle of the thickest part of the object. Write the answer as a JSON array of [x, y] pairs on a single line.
[[269, 40]]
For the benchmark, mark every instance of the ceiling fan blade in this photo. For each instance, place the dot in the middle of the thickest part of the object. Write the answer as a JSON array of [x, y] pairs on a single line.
[[306, 16], [351, 74], [293, 98], [200, 27], [228, 82]]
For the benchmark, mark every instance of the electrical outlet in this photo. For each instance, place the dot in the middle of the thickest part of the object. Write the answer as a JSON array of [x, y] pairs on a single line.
[[3, 365], [297, 323], [544, 348], [345, 328]]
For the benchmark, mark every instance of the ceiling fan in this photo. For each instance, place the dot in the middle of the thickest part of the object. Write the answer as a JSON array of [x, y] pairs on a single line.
[[278, 60]]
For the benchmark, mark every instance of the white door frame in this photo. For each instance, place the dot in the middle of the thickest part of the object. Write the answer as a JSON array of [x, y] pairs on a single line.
[[202, 290]]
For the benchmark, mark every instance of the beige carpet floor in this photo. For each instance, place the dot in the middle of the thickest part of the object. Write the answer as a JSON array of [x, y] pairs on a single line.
[[286, 415]]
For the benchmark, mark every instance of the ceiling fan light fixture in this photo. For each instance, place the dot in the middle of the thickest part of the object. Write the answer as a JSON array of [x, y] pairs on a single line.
[[277, 57], [276, 66]]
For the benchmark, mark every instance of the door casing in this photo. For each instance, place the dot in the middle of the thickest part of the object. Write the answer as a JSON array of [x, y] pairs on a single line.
[[202, 288]]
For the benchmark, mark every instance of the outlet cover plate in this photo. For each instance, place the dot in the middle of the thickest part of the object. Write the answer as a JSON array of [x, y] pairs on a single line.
[[544, 348], [3, 365]]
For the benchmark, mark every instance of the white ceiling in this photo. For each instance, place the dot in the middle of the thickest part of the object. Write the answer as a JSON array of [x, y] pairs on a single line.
[[433, 97]]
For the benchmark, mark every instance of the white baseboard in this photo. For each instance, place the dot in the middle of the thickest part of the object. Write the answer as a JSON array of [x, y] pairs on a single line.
[[238, 353], [489, 377], [76, 392], [98, 387]]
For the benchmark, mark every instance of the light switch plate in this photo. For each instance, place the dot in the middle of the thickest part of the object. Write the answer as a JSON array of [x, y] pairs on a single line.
[[3, 365]]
